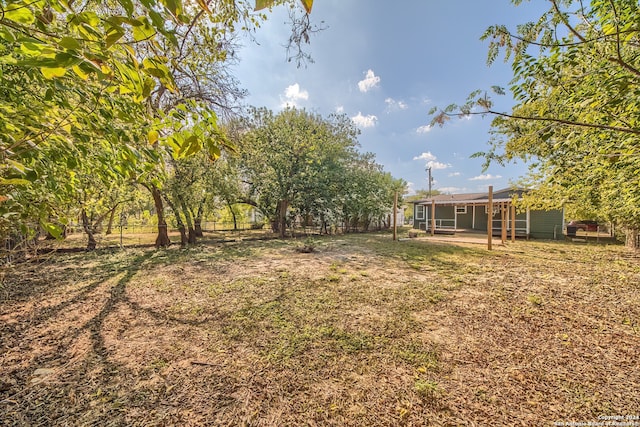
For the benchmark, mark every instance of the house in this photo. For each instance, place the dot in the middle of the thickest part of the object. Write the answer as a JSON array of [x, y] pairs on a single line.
[[452, 212]]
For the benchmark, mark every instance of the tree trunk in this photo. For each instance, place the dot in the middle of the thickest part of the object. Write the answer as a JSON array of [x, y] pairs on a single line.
[[187, 216], [282, 217], [183, 233], [112, 215], [162, 241], [633, 238], [233, 215], [91, 244], [197, 220]]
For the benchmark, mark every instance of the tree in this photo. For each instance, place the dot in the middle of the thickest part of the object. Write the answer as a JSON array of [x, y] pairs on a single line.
[[300, 165], [281, 155], [368, 194], [576, 118], [224, 184], [121, 72]]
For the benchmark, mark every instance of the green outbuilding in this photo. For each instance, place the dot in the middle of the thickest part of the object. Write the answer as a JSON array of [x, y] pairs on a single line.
[[459, 212]]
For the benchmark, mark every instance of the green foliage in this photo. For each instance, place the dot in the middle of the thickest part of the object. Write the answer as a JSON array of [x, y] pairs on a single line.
[[296, 163], [576, 120], [101, 94], [262, 4]]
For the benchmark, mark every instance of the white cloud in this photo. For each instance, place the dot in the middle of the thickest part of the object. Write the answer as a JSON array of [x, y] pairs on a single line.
[[425, 156], [411, 188], [292, 95], [423, 129], [370, 81], [364, 121], [393, 105], [485, 177], [340, 109], [431, 161], [437, 165], [454, 174]]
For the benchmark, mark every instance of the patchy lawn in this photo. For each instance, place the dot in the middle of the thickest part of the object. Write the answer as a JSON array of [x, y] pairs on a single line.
[[363, 331]]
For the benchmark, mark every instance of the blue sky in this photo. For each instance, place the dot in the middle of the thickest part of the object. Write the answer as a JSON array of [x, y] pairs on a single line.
[[385, 65]]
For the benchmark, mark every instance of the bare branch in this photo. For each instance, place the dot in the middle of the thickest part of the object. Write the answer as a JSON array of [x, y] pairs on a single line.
[[540, 119]]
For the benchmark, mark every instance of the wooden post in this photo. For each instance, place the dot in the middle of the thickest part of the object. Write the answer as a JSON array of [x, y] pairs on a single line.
[[513, 222], [503, 221], [433, 217], [490, 220], [395, 216]]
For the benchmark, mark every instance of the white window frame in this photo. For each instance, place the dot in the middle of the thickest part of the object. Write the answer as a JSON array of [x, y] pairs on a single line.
[[420, 208], [461, 210], [496, 209]]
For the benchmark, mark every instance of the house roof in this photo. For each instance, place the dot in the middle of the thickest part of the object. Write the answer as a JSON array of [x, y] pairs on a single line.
[[504, 195]]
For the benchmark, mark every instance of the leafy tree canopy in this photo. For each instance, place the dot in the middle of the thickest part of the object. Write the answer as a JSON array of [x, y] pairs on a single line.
[[124, 75], [577, 90]]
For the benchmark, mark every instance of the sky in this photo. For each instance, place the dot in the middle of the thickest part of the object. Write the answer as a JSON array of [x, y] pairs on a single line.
[[385, 65]]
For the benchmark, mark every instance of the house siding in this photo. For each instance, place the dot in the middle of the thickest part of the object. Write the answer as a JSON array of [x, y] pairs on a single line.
[[445, 212], [543, 224], [481, 218], [466, 220]]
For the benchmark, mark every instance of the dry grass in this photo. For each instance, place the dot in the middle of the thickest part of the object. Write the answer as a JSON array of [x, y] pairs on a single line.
[[362, 331]]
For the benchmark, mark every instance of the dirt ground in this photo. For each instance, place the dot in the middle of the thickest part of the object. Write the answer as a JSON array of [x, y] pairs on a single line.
[[362, 331]]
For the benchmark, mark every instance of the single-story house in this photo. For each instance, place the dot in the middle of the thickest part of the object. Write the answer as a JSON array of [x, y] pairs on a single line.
[[451, 212]]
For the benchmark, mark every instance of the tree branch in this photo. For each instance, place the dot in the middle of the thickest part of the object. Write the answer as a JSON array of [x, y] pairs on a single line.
[[580, 37], [547, 119]]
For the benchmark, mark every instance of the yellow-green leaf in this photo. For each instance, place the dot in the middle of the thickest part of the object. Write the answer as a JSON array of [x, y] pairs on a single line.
[[52, 229], [308, 4], [80, 72], [18, 13], [7, 35], [261, 4], [113, 35], [153, 137], [143, 32], [31, 48], [187, 146], [50, 73], [127, 5], [214, 151], [69, 43], [14, 181], [203, 4]]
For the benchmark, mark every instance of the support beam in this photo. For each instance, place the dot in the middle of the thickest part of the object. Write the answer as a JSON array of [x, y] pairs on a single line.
[[503, 222], [490, 220], [433, 217], [513, 222]]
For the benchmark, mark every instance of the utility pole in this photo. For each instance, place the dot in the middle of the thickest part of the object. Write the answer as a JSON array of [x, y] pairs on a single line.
[[430, 180]]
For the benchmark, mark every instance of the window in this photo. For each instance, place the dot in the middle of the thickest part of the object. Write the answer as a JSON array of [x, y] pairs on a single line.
[[461, 209], [496, 210], [419, 211]]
